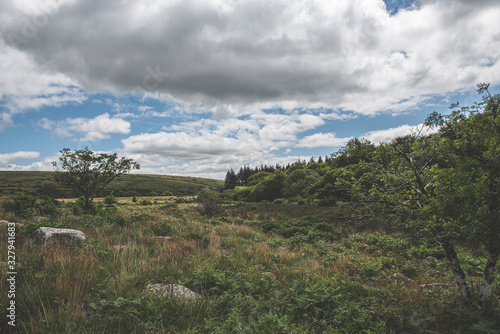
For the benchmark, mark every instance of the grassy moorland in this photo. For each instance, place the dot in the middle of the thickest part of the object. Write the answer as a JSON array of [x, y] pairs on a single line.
[[44, 184], [259, 267]]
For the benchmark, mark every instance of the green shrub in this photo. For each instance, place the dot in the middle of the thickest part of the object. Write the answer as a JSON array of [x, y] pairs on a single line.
[[78, 207], [110, 200], [121, 221], [423, 251], [49, 206], [163, 228], [211, 202], [22, 205], [311, 229], [146, 201], [141, 218]]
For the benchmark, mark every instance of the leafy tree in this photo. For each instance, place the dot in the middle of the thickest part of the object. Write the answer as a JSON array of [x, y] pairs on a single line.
[[258, 177], [470, 140], [356, 150], [296, 165], [211, 202], [298, 182], [269, 188], [341, 173], [88, 172], [444, 188], [408, 179]]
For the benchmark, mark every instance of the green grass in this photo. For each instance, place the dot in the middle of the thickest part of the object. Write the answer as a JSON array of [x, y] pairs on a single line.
[[42, 183], [259, 268]]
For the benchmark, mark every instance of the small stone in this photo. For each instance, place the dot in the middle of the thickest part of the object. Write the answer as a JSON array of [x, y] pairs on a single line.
[[162, 238], [402, 277], [38, 219], [172, 290], [5, 222], [431, 259], [433, 286], [121, 246]]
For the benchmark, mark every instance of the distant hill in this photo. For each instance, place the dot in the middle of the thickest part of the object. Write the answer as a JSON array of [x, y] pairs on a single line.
[[42, 183]]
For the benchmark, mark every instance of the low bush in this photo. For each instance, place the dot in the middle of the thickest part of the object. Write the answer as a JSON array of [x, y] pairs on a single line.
[[163, 228], [22, 206], [110, 200], [211, 202]]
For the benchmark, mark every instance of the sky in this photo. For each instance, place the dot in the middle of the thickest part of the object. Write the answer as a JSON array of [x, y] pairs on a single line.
[[196, 87]]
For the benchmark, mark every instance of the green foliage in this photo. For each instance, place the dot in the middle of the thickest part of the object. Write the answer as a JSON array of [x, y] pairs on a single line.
[[49, 206], [305, 230], [286, 275], [211, 202], [110, 200], [299, 182], [425, 250], [258, 177], [146, 201], [268, 188], [240, 193], [163, 228], [78, 206], [22, 205]]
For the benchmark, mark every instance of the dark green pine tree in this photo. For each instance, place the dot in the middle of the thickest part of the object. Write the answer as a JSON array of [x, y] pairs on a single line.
[[231, 180]]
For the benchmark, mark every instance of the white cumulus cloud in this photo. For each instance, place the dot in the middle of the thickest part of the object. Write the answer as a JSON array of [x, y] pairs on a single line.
[[7, 159], [386, 135], [97, 128], [323, 140]]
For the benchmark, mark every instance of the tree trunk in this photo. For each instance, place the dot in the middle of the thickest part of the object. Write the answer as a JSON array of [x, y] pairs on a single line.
[[449, 249], [88, 204], [493, 248], [488, 278]]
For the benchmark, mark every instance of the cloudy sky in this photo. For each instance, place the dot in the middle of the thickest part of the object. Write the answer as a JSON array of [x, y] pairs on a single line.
[[195, 87]]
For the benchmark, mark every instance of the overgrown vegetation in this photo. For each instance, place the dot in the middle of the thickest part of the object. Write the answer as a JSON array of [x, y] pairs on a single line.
[[285, 273]]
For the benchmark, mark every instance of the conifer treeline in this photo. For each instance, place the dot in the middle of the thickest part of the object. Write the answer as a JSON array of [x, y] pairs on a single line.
[[234, 179]]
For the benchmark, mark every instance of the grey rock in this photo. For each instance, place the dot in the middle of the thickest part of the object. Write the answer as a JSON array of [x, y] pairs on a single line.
[[172, 290], [402, 277], [45, 235], [433, 286], [5, 222], [268, 273]]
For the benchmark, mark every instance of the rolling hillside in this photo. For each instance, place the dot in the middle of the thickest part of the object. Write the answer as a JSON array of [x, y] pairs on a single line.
[[42, 183]]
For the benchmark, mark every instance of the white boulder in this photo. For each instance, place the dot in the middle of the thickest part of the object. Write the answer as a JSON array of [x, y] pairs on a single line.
[[45, 235]]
